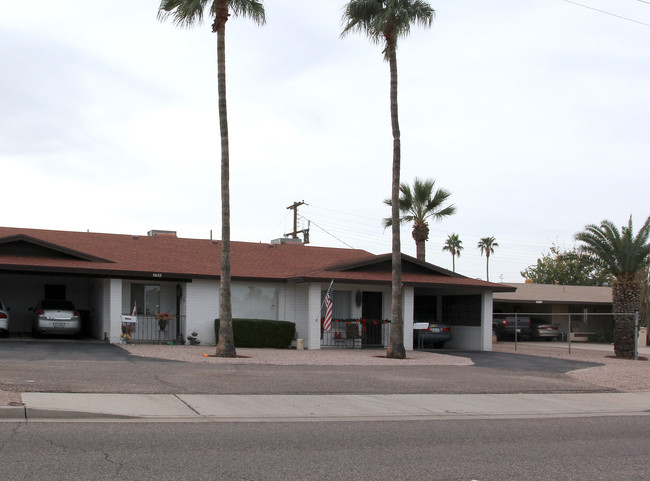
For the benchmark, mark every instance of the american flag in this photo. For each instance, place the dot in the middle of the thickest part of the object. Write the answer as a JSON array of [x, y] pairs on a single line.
[[329, 307]]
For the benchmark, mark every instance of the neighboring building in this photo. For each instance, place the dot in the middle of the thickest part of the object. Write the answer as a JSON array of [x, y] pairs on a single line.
[[589, 307], [109, 276]]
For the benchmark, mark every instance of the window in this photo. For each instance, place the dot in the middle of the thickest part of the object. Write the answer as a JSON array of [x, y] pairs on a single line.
[[145, 298], [342, 303], [252, 302]]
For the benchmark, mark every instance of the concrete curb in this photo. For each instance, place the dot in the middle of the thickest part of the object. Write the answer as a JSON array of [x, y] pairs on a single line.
[[9, 413]]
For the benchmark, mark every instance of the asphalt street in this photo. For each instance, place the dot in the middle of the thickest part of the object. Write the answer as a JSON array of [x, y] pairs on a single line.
[[561, 449]]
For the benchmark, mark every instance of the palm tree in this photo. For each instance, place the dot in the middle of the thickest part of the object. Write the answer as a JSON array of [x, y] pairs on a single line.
[[385, 21], [453, 245], [187, 13], [487, 245], [418, 205], [625, 257]]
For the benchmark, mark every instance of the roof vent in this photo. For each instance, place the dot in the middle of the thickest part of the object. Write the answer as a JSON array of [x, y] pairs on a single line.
[[286, 240], [156, 233]]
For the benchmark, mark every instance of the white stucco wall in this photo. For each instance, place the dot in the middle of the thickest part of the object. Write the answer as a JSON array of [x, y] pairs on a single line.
[[465, 337], [201, 302]]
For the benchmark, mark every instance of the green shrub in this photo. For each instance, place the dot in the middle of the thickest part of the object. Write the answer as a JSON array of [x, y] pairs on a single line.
[[260, 333]]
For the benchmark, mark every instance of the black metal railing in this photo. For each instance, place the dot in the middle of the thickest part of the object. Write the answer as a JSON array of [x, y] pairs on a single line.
[[356, 333], [155, 329]]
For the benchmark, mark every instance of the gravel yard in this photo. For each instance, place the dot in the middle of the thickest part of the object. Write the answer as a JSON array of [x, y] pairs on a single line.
[[619, 374], [622, 374]]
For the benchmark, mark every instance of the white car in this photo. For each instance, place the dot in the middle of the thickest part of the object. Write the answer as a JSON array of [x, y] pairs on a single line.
[[4, 320], [56, 317]]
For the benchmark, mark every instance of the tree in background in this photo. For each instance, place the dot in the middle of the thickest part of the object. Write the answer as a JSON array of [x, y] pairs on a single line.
[[453, 245], [384, 22], [568, 267], [625, 257], [188, 13], [418, 205], [486, 245]]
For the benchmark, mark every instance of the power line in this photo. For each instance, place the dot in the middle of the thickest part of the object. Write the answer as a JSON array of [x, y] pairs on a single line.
[[328, 233], [609, 13]]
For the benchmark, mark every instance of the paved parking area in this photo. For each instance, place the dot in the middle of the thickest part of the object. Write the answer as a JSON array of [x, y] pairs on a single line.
[[64, 350], [523, 362]]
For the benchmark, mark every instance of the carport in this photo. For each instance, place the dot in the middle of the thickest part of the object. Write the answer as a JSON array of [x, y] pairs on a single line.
[[462, 308], [21, 291]]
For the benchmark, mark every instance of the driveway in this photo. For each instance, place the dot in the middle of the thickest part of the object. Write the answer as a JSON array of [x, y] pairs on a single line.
[[522, 362], [64, 350], [84, 367]]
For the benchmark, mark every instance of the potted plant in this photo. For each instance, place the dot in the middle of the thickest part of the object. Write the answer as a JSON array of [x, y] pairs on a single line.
[[163, 318], [194, 340]]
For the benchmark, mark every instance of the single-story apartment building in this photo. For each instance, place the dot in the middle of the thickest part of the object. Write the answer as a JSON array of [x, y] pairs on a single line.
[[109, 277]]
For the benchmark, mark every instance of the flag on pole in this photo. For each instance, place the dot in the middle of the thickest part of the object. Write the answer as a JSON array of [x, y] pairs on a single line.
[[329, 307], [135, 310]]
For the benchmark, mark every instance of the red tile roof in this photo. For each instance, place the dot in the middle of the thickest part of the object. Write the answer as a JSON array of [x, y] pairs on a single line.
[[172, 257]]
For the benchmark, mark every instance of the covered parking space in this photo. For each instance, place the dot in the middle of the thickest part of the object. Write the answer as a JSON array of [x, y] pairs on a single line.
[[21, 291], [468, 311], [101, 301]]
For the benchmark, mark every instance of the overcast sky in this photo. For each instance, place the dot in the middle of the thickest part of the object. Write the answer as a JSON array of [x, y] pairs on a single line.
[[535, 115]]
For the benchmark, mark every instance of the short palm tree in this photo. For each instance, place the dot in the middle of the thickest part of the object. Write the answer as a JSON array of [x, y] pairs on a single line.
[[187, 13], [418, 205], [453, 245], [625, 257], [384, 22], [487, 245]]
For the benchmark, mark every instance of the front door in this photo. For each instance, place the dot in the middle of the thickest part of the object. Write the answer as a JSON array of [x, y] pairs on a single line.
[[371, 311]]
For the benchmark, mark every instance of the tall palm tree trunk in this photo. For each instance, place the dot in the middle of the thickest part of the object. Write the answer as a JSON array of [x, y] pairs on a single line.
[[225, 345], [396, 344], [453, 261], [626, 297], [487, 266]]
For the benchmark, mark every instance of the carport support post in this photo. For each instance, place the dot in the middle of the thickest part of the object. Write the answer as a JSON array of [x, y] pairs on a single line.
[[486, 321], [313, 315], [408, 302], [114, 289]]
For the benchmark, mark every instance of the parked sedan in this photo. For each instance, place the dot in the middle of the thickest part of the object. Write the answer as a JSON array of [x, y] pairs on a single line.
[[4, 320], [430, 333], [542, 329], [56, 317]]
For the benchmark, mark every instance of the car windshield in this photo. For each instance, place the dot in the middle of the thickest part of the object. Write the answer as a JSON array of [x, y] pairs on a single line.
[[52, 304]]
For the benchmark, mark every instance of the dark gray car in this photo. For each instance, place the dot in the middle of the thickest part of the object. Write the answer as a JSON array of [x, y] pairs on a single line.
[[430, 333]]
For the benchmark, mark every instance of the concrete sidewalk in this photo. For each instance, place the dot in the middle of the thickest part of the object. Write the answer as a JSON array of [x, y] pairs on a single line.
[[276, 408]]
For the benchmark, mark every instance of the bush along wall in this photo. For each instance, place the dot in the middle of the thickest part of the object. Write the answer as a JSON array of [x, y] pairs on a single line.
[[260, 333]]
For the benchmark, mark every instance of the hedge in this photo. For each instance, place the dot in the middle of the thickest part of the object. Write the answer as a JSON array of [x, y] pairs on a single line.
[[260, 333]]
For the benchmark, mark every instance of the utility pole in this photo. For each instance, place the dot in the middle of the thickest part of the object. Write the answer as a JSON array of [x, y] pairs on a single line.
[[295, 232]]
